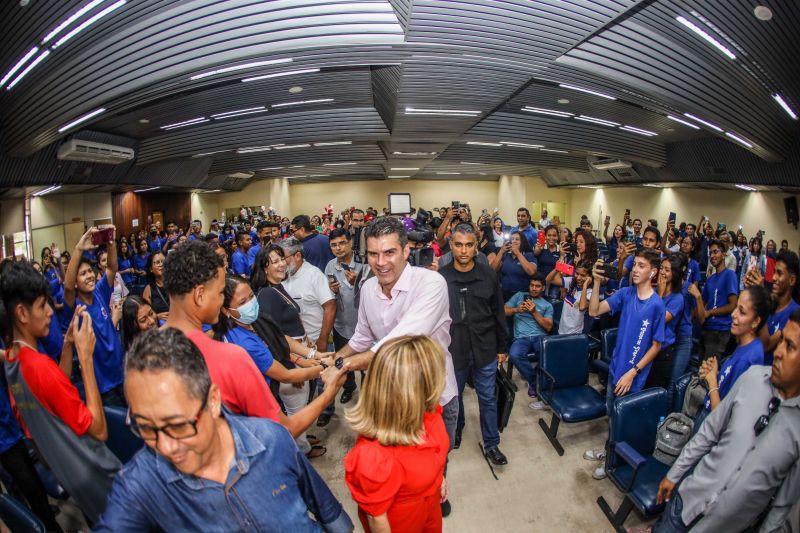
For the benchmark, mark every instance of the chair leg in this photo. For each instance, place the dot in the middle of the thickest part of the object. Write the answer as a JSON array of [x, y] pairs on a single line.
[[551, 431], [617, 519]]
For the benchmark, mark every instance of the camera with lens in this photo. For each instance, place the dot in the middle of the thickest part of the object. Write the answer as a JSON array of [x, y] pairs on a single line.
[[422, 234]]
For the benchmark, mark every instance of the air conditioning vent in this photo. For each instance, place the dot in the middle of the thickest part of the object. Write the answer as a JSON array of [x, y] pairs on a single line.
[[609, 164], [79, 150], [242, 175], [625, 174]]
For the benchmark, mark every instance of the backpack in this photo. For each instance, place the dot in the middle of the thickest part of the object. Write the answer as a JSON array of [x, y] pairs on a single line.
[[695, 397], [672, 435]]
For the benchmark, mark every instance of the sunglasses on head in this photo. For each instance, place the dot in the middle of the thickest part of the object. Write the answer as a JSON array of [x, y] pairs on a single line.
[[763, 421]]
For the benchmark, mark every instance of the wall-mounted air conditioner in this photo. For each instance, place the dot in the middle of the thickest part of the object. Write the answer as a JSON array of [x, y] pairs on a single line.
[[79, 150]]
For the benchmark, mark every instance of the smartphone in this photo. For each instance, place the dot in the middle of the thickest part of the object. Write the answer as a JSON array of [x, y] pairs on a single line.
[[610, 271], [565, 269], [572, 248], [608, 218], [331, 278], [506, 236], [740, 227], [722, 226], [673, 216], [345, 266], [752, 263], [630, 236], [527, 297], [484, 212], [103, 236], [425, 257], [627, 213], [455, 204], [540, 238]]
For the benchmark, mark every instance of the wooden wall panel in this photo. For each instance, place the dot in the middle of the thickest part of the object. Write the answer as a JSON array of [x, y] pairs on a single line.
[[177, 207]]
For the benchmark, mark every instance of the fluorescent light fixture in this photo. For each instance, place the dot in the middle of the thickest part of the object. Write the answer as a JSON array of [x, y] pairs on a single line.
[[212, 190], [404, 168], [83, 118], [653, 185], [604, 122], [522, 145], [210, 153], [414, 110], [272, 168], [542, 111], [281, 74], [705, 35], [554, 150], [639, 131], [397, 177], [72, 18], [589, 91], [148, 189], [318, 175], [297, 166], [88, 22], [746, 188], [481, 143], [738, 139], [248, 149], [337, 164], [701, 121], [777, 97], [293, 177], [240, 67], [684, 122], [18, 65], [449, 173], [317, 101], [185, 123], [414, 153], [443, 114], [22, 74], [236, 113], [291, 146], [337, 143], [468, 163], [48, 190]]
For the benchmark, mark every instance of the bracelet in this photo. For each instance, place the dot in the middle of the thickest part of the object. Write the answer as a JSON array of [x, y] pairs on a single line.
[[312, 353], [714, 389], [296, 359]]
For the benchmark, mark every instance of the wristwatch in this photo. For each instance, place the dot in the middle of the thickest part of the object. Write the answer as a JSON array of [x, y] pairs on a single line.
[[339, 363], [637, 369], [312, 353], [324, 366]]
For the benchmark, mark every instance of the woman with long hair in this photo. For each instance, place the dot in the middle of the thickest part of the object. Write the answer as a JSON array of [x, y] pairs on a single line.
[[497, 232], [395, 471], [137, 317], [154, 292], [613, 241], [755, 258], [518, 265]]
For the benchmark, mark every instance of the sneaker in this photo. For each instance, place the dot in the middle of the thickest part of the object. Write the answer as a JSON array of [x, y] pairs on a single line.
[[599, 472], [538, 406], [595, 455], [532, 391]]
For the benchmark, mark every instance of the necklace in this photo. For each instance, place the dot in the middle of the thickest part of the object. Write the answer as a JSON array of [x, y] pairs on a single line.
[[24, 344]]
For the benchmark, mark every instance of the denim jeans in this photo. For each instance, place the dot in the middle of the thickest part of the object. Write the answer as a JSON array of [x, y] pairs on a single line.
[[485, 386], [671, 520], [518, 354], [339, 342]]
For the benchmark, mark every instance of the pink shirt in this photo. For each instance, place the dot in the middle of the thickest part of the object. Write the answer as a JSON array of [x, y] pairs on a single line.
[[419, 306]]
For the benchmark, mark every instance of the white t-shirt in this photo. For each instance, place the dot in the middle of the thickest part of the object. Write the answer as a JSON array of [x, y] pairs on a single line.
[[571, 322], [309, 288]]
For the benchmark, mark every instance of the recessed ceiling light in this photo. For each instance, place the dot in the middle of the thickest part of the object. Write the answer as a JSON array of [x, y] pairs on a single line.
[[198, 120], [480, 143], [762, 13], [404, 168], [746, 188], [281, 74], [640, 131], [685, 123], [301, 102], [706, 36], [542, 111], [589, 91], [595, 120], [144, 121], [701, 121], [789, 111], [337, 164], [148, 189], [738, 139], [563, 101], [240, 67], [296, 89], [81, 119], [554, 150]]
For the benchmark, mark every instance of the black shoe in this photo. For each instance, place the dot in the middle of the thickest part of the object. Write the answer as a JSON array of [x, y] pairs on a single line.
[[446, 508], [347, 395], [496, 456], [457, 443], [323, 420]]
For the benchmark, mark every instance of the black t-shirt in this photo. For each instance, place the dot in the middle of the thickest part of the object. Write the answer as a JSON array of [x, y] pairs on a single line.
[[282, 309], [159, 298]]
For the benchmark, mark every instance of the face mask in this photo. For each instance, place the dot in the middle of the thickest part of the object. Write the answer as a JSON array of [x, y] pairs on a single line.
[[248, 313]]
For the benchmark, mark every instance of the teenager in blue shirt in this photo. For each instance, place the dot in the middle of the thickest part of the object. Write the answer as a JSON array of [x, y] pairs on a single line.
[[241, 262], [524, 225], [692, 272], [139, 262], [82, 287], [649, 241], [641, 332], [749, 319], [125, 264], [716, 302]]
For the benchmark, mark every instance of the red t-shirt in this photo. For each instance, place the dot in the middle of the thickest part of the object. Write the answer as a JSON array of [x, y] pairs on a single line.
[[52, 388], [242, 386], [402, 481]]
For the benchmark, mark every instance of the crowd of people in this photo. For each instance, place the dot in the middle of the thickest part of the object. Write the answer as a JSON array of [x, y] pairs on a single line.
[[229, 348]]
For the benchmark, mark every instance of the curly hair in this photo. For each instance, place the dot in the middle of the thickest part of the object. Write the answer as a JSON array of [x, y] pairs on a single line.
[[191, 263]]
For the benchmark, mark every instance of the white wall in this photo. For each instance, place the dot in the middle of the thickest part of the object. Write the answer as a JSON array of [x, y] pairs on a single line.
[[205, 208], [60, 218], [12, 216]]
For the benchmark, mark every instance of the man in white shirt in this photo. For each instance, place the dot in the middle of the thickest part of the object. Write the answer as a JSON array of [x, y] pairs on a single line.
[[544, 221]]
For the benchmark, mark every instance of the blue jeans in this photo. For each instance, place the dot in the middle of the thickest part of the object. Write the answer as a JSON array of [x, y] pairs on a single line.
[[518, 354], [683, 353], [671, 520], [485, 386]]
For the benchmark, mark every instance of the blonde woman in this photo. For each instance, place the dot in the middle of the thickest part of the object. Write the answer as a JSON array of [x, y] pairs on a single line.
[[395, 472]]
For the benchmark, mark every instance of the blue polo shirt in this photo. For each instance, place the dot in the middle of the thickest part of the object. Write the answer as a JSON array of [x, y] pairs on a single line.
[[241, 264], [108, 352], [742, 358], [546, 261], [54, 342], [317, 250], [715, 294], [125, 264], [530, 233], [673, 304], [693, 271], [254, 346], [140, 262], [156, 244], [776, 322], [512, 276], [524, 323], [641, 323]]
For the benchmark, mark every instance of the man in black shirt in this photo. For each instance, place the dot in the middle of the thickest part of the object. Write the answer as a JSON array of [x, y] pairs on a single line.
[[477, 331]]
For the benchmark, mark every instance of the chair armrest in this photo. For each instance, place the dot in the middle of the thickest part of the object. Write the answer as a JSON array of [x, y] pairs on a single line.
[[549, 377], [630, 456]]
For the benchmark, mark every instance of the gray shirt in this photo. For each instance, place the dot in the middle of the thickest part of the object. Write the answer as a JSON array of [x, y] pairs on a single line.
[[346, 308], [737, 472]]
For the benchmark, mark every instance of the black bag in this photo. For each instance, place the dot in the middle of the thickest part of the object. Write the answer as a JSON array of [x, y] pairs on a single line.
[[505, 391]]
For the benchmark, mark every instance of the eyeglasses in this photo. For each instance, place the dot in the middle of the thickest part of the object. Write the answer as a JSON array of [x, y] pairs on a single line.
[[159, 262], [179, 431], [763, 420]]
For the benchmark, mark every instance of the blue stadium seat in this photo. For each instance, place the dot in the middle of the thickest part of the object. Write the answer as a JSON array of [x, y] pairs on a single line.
[[558, 305], [679, 392], [630, 464], [121, 441], [608, 339], [562, 376], [17, 517], [46, 476]]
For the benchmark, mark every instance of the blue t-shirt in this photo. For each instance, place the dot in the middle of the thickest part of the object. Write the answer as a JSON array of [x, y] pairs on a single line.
[[54, 342], [776, 322], [673, 304], [530, 233], [139, 262], [742, 358], [253, 252], [241, 263], [685, 327], [613, 245], [715, 294], [317, 250], [641, 323], [125, 264], [108, 352], [693, 271], [156, 244], [254, 346], [625, 281], [10, 432], [546, 261], [512, 276], [524, 323]]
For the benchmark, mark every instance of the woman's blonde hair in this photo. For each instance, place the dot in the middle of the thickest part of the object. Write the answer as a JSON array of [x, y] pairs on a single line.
[[404, 380]]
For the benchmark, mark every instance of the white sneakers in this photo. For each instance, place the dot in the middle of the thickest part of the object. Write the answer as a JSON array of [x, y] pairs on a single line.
[[538, 406], [597, 455]]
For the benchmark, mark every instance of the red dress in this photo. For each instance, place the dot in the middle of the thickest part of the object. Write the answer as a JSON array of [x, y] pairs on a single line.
[[402, 481]]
